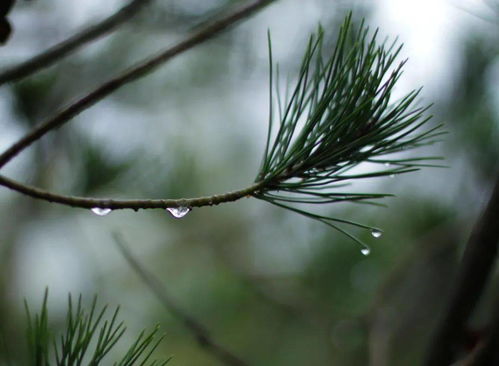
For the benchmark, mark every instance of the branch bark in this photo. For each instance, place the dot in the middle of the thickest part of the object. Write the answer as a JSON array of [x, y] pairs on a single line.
[[203, 337], [115, 204], [477, 263], [55, 53]]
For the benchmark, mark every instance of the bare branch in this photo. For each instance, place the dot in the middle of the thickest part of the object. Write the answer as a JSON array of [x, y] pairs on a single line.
[[477, 263], [54, 53], [132, 74], [199, 331], [113, 204]]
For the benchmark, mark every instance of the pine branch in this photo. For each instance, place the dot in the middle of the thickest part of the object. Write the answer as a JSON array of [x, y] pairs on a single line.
[[134, 73], [85, 331], [55, 53], [339, 115], [115, 204], [201, 334]]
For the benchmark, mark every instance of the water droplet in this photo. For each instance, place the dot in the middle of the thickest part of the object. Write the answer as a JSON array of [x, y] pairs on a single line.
[[392, 175], [376, 233], [178, 212], [367, 148], [387, 164], [100, 211], [365, 251]]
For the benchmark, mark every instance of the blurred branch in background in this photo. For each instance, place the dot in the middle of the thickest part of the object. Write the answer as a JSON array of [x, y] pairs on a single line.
[[5, 27], [203, 337], [398, 324], [476, 266], [133, 73], [71, 44], [486, 352]]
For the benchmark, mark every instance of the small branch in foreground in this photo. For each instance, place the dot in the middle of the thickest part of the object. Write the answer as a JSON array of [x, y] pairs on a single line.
[[135, 72], [201, 334], [477, 263], [71, 44]]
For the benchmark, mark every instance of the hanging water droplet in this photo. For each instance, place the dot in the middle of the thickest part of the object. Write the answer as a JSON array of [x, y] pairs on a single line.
[[365, 251], [376, 233], [100, 211], [178, 212]]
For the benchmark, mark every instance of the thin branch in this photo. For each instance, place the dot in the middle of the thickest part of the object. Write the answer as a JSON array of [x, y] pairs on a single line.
[[136, 204], [60, 50], [201, 334], [135, 72], [476, 266]]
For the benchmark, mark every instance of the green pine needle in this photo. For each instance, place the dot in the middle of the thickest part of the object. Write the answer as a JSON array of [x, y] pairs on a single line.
[[339, 115], [88, 338]]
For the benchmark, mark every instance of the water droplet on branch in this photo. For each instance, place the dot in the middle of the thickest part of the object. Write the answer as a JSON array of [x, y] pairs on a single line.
[[376, 233], [99, 211], [178, 212], [365, 251]]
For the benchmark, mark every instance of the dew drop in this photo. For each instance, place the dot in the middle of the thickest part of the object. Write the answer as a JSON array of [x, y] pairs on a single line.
[[367, 148], [376, 233], [178, 212], [100, 211], [365, 251]]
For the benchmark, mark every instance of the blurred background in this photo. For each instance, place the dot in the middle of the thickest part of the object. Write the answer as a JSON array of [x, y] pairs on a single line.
[[272, 286]]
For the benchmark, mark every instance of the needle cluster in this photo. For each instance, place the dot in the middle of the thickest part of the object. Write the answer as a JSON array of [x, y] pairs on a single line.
[[87, 340], [339, 114]]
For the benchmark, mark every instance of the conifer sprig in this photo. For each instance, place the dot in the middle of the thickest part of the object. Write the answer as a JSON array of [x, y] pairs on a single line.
[[87, 339], [340, 114]]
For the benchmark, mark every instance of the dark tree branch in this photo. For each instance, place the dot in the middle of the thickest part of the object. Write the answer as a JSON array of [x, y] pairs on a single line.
[[113, 204], [53, 54], [487, 353], [135, 72], [201, 334], [476, 265]]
